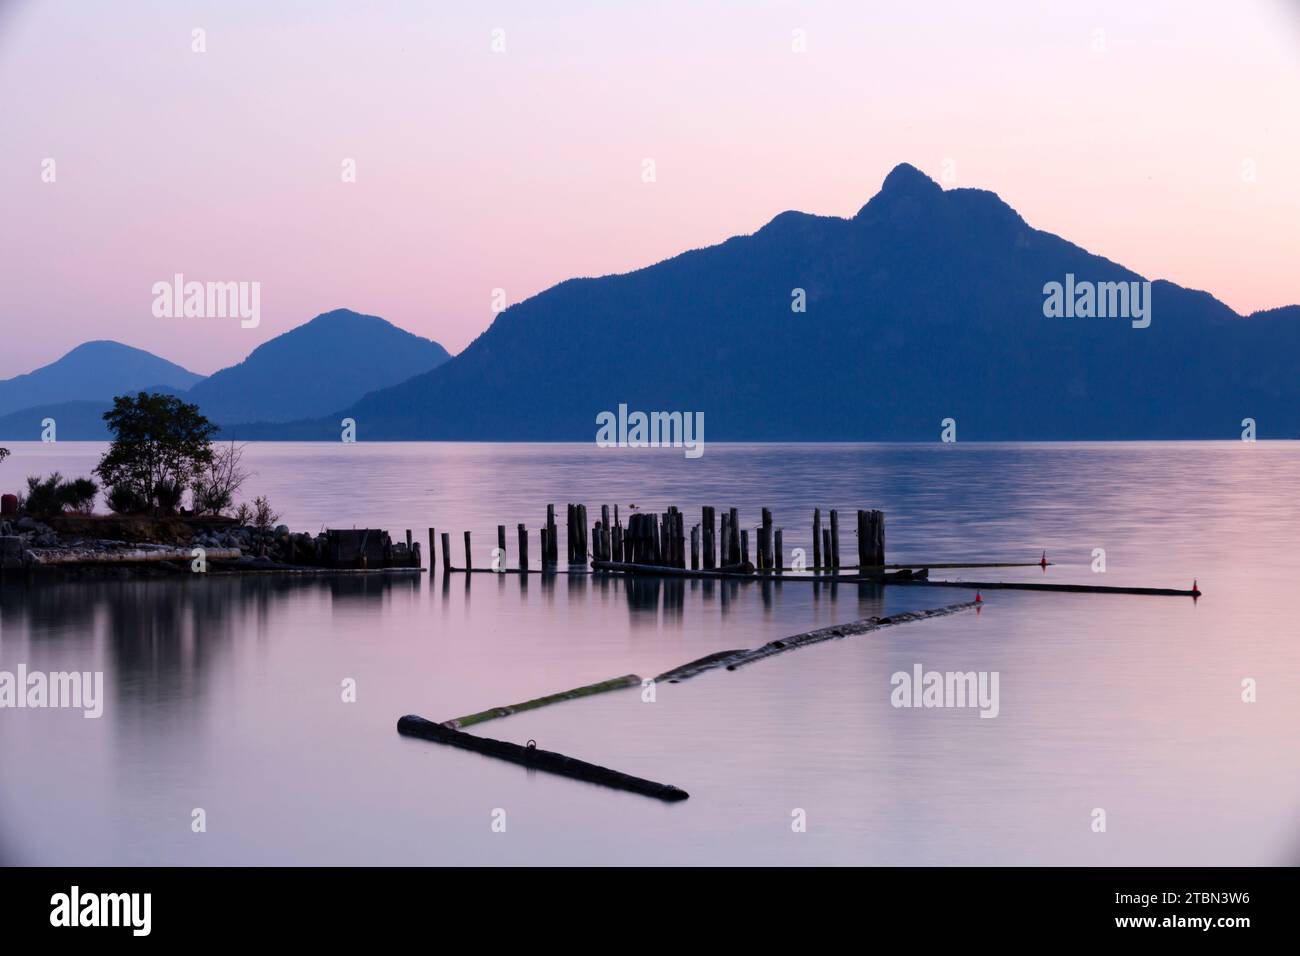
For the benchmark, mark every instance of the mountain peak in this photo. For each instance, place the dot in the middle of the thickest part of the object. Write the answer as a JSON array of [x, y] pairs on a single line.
[[332, 361], [907, 179], [905, 190], [93, 371], [340, 315]]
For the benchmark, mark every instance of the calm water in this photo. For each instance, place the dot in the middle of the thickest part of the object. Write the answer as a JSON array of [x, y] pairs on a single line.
[[225, 694]]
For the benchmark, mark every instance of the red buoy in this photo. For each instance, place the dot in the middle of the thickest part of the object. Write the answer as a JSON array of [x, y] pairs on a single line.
[[1195, 589], [1043, 562], [978, 599]]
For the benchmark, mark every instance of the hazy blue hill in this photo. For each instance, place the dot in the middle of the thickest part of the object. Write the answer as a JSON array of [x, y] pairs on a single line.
[[325, 364], [927, 304], [92, 371], [74, 421]]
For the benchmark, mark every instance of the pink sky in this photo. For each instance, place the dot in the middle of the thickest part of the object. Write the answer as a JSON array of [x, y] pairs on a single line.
[[478, 170]]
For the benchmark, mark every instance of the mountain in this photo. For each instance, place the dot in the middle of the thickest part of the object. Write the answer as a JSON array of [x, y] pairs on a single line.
[[94, 371], [926, 305], [74, 421], [325, 364]]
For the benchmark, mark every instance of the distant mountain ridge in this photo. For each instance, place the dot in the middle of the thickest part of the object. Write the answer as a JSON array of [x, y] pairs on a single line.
[[92, 370], [928, 304], [321, 365], [328, 362]]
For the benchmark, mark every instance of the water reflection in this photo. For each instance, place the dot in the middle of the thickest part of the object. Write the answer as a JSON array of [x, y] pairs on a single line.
[[226, 690]]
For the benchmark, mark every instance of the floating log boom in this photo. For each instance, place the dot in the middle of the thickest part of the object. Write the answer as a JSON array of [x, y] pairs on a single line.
[[617, 683]]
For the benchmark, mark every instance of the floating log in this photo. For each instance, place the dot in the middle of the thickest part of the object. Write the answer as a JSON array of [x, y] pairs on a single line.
[[743, 571], [537, 759], [616, 683], [52, 556], [1067, 588], [733, 659], [625, 567]]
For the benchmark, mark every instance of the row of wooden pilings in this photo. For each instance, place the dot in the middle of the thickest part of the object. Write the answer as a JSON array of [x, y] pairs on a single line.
[[717, 542]]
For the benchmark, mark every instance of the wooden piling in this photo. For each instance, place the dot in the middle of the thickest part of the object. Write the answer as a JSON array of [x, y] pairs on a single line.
[[569, 522], [433, 555], [523, 549], [501, 543], [826, 545], [780, 551], [584, 545], [834, 561], [817, 537], [446, 552], [618, 536], [744, 546], [709, 528], [695, 547], [550, 546], [469, 561], [733, 542], [871, 539], [765, 541]]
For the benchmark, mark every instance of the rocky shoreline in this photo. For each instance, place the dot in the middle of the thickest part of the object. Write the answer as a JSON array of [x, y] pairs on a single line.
[[134, 546]]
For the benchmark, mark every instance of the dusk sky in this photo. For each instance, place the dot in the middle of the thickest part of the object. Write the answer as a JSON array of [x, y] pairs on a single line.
[[478, 169]]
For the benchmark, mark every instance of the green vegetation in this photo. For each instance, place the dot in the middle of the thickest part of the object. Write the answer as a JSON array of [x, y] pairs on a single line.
[[54, 495], [161, 445]]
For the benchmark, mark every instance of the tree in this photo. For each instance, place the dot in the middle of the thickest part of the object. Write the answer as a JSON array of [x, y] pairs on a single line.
[[160, 443], [214, 491]]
